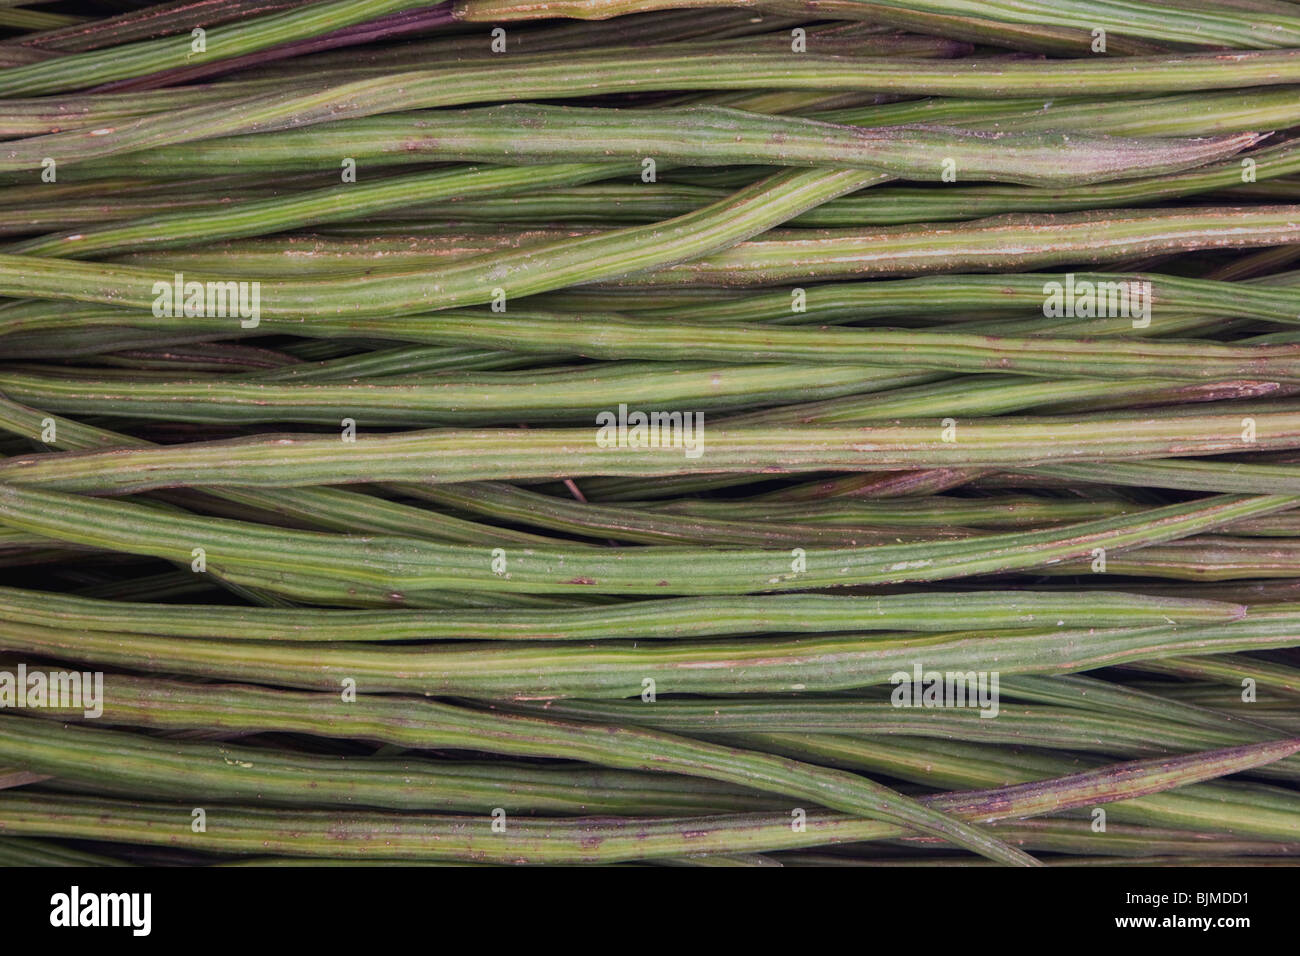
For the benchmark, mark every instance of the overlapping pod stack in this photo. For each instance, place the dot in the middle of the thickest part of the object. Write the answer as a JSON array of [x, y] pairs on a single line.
[[792, 432]]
